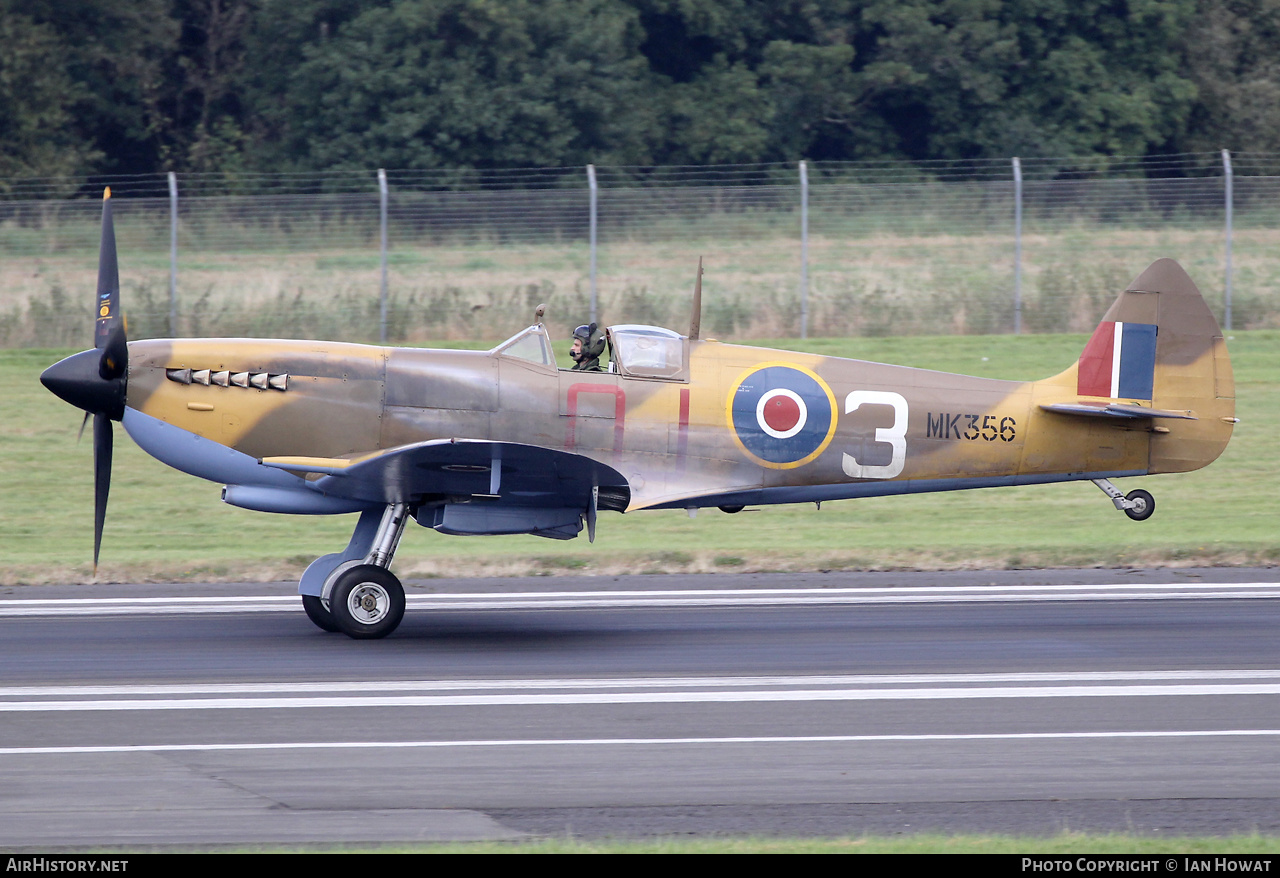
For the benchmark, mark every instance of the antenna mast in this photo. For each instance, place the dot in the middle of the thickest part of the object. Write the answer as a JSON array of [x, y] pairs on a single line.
[[695, 322]]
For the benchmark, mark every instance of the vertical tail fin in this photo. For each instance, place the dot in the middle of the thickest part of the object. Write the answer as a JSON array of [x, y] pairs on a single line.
[[1160, 346]]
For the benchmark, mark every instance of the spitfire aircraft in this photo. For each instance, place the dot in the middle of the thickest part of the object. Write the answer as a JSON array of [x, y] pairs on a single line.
[[506, 442]]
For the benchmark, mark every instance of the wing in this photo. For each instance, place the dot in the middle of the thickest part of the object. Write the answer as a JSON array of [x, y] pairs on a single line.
[[474, 486]]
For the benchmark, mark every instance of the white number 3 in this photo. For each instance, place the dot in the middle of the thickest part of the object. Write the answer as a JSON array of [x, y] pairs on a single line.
[[896, 435]]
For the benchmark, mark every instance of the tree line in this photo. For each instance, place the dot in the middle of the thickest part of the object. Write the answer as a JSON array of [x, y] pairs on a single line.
[[227, 86]]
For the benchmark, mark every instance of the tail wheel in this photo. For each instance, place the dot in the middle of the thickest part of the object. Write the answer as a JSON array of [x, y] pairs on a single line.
[[1142, 505], [367, 602]]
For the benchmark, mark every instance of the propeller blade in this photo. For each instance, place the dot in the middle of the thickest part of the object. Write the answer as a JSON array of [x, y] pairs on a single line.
[[109, 334], [96, 380], [102, 438], [109, 337], [80, 435], [115, 354], [108, 278]]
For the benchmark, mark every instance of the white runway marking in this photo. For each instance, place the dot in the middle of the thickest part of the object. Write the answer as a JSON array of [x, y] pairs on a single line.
[[674, 598], [706, 690], [365, 703], [366, 686], [644, 742]]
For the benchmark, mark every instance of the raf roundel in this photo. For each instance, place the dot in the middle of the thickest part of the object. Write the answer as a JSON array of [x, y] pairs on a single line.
[[782, 416]]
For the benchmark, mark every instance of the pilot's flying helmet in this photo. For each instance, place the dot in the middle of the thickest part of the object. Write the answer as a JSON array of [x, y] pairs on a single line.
[[592, 342]]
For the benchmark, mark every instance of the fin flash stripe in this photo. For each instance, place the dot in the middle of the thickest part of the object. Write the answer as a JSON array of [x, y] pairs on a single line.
[[1119, 362]]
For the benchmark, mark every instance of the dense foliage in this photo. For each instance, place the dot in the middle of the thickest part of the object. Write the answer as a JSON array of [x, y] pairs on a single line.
[[134, 86]]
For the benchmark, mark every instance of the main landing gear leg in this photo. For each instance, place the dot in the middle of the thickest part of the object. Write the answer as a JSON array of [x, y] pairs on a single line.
[[372, 546], [317, 580], [1138, 504], [366, 601]]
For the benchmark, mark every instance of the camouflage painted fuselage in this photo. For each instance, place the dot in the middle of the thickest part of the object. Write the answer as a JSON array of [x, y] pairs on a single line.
[[727, 426]]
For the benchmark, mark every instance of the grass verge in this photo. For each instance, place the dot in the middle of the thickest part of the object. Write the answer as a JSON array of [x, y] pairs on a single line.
[[166, 526]]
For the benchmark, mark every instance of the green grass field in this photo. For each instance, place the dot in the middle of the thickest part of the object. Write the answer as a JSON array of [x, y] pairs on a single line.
[[164, 525]]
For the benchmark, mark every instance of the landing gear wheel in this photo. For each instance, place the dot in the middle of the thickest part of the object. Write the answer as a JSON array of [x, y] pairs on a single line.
[[367, 602], [1143, 505], [318, 613]]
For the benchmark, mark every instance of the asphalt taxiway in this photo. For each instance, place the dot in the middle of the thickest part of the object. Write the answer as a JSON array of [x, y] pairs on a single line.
[[817, 704]]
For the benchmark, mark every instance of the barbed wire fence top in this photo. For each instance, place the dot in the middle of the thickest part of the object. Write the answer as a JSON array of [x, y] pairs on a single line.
[[822, 248]]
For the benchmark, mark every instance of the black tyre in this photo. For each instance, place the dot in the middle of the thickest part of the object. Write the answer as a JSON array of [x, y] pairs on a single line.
[[367, 602], [1143, 505], [318, 613]]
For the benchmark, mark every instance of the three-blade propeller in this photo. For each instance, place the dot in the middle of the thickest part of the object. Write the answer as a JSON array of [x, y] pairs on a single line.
[[96, 380]]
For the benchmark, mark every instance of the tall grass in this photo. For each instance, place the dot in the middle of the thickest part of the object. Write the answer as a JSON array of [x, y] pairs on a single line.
[[859, 285]]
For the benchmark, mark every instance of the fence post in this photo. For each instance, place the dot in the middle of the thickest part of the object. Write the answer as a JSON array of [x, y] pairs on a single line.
[[173, 255], [593, 196], [804, 250], [1017, 246], [1228, 180], [382, 248]]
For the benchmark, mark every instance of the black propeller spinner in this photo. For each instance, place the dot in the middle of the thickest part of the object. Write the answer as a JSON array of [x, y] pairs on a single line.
[[96, 380]]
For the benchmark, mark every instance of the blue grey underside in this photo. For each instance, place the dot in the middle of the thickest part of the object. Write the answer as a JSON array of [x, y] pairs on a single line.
[[530, 477], [249, 484], [201, 457], [854, 490]]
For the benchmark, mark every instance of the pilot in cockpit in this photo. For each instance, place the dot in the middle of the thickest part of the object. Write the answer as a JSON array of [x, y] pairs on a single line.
[[588, 345]]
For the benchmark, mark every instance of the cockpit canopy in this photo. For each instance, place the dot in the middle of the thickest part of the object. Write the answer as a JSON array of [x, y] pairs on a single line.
[[636, 350], [648, 351]]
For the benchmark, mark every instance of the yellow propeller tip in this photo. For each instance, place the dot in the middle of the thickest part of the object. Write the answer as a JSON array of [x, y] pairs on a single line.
[[106, 193]]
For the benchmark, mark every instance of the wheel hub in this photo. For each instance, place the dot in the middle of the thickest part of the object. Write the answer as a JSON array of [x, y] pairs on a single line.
[[368, 603]]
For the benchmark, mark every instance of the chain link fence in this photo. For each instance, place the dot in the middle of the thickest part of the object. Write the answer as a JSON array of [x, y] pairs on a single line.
[[819, 248]]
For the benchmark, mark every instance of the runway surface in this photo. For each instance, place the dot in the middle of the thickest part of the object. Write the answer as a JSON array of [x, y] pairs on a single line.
[[822, 704]]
